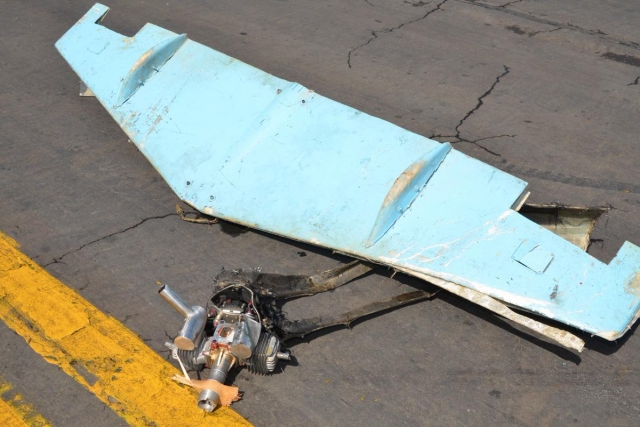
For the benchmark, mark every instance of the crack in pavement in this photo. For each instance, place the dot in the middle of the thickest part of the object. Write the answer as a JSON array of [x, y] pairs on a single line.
[[567, 26], [390, 30], [475, 142], [59, 259], [480, 100], [471, 112], [635, 82], [545, 31], [420, 3], [509, 4]]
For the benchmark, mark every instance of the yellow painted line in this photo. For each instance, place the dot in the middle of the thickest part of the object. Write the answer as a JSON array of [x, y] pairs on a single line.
[[96, 350], [9, 417], [15, 412]]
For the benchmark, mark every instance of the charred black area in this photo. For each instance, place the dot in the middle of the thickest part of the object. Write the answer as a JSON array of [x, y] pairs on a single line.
[[271, 290]]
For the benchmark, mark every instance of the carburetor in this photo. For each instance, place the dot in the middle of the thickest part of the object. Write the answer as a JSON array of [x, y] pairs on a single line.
[[228, 333]]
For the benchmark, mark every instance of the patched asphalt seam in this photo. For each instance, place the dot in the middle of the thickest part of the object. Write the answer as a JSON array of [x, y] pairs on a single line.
[[374, 34], [635, 82], [521, 31], [59, 259], [564, 25], [569, 179], [623, 59]]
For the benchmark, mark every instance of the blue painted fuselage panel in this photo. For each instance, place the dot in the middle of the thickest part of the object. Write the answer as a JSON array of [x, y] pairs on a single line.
[[243, 145]]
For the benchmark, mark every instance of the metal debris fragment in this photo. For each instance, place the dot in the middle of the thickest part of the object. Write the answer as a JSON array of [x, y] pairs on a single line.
[[198, 219]]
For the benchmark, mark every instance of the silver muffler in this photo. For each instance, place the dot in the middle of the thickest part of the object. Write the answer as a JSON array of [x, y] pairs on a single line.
[[194, 323]]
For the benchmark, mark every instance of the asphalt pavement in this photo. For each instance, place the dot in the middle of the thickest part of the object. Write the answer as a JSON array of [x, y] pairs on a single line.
[[547, 91]]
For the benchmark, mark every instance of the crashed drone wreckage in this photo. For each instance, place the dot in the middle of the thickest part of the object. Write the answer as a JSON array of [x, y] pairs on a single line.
[[208, 123], [245, 326]]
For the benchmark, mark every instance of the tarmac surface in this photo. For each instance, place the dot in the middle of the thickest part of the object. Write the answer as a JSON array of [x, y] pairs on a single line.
[[547, 91]]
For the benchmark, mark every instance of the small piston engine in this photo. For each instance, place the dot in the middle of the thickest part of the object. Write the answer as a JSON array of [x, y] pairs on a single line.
[[245, 325], [228, 333]]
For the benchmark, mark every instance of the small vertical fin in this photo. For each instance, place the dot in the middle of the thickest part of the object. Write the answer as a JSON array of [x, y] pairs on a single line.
[[405, 189], [147, 65]]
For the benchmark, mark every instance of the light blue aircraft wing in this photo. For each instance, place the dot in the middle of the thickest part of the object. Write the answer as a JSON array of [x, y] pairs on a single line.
[[240, 144]]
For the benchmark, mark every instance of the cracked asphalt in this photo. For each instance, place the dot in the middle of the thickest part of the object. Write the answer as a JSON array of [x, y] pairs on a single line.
[[459, 138], [374, 34], [545, 90]]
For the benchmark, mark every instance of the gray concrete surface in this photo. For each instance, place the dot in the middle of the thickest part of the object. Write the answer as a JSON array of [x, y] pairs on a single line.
[[547, 90], [58, 397]]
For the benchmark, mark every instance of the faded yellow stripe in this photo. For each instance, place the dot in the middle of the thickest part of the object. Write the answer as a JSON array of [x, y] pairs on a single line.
[[95, 349], [9, 417], [15, 412]]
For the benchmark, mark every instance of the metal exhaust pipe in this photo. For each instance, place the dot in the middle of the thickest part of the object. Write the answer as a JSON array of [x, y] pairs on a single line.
[[208, 399], [195, 319]]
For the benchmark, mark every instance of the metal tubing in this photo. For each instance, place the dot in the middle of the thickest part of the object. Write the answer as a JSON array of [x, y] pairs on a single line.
[[195, 319], [283, 355], [174, 301]]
